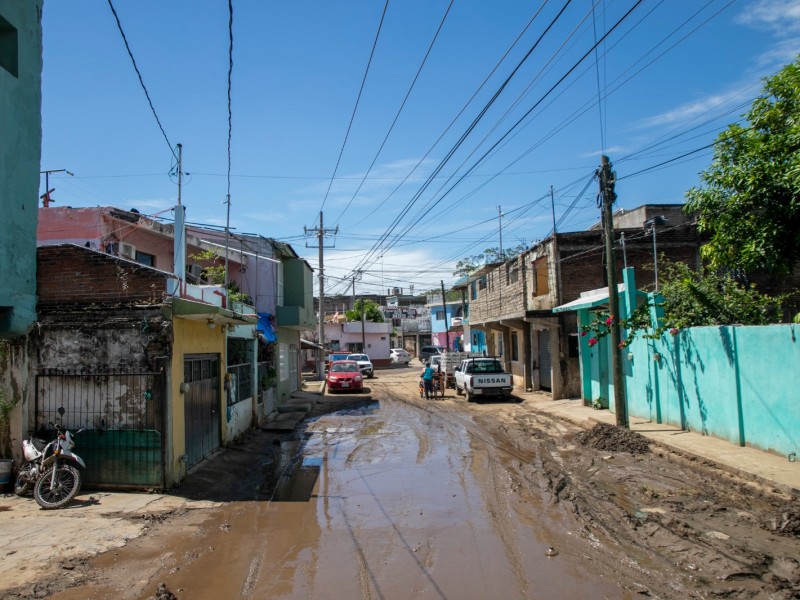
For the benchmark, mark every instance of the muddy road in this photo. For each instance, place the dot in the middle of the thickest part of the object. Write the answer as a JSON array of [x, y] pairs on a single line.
[[407, 498]]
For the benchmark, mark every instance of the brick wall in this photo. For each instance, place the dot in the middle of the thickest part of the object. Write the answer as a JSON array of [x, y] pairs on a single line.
[[583, 269], [72, 275], [502, 297]]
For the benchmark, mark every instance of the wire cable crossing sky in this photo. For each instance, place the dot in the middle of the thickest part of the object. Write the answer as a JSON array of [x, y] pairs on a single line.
[[408, 123]]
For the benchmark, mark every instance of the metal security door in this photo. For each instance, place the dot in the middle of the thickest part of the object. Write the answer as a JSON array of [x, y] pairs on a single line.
[[545, 362], [202, 406], [121, 414]]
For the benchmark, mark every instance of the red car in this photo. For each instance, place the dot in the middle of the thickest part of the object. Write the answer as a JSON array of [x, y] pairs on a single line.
[[345, 375]]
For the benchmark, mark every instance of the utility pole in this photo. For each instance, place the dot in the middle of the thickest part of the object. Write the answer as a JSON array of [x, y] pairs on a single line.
[[357, 275], [444, 308], [553, 207], [179, 231], [653, 223], [320, 232], [45, 198], [607, 178], [500, 223], [180, 171], [624, 252]]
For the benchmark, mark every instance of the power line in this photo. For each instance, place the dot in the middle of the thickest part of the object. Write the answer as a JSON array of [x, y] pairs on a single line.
[[141, 80], [458, 115], [355, 108], [230, 73], [230, 131], [462, 138], [399, 110], [528, 112]]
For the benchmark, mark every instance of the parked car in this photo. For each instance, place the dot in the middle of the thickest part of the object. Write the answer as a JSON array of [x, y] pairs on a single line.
[[364, 363], [345, 375], [427, 351], [398, 355], [334, 356]]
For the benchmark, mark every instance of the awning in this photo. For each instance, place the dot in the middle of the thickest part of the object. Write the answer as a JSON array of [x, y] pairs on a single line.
[[588, 300], [266, 328], [306, 345]]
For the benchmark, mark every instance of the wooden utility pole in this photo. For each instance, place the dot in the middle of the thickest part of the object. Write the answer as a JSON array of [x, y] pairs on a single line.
[[607, 179]]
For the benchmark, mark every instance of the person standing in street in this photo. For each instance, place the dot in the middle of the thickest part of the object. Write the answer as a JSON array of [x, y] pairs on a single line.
[[427, 380]]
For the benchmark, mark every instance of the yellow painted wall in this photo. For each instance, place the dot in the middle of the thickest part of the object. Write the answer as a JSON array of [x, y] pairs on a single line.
[[190, 337]]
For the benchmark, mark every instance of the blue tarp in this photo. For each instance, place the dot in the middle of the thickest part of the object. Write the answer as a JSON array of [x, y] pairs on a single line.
[[266, 328]]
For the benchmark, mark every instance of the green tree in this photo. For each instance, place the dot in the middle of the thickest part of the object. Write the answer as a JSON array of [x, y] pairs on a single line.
[[749, 204], [695, 299], [214, 273], [468, 264], [372, 311]]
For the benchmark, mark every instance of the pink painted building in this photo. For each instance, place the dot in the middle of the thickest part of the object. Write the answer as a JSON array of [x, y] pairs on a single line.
[[127, 234]]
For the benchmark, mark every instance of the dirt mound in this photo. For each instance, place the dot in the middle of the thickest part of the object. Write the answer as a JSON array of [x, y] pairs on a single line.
[[613, 439], [164, 593]]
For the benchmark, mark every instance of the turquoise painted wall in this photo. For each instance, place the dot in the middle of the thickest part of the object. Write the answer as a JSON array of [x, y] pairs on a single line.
[[738, 383], [20, 153]]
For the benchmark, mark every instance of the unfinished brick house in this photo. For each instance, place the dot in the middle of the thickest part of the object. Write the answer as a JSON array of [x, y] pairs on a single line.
[[513, 301]]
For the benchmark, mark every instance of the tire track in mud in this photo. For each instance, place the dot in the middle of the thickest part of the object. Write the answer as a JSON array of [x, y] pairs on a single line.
[[675, 548]]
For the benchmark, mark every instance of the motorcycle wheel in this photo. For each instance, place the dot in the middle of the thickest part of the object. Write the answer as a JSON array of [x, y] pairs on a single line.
[[22, 485], [67, 484]]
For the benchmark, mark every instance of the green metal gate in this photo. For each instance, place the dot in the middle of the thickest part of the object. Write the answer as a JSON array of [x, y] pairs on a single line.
[[122, 413]]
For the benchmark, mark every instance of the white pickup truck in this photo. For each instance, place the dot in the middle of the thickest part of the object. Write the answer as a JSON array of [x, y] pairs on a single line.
[[484, 378]]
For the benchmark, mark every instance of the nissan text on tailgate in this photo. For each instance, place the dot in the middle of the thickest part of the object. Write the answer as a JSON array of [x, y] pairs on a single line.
[[483, 377]]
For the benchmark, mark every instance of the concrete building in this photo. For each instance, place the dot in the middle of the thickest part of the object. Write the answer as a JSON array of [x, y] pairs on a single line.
[[410, 319], [20, 155], [370, 338], [512, 302]]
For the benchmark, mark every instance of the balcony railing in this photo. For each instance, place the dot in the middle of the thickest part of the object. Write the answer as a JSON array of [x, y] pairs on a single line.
[[418, 325]]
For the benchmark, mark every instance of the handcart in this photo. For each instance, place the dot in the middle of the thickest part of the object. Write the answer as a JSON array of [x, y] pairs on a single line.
[[438, 386]]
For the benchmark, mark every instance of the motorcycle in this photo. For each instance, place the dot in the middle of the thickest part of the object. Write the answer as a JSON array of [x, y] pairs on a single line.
[[50, 470]]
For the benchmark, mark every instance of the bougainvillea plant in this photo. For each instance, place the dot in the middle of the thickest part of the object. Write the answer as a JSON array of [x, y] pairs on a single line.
[[691, 299]]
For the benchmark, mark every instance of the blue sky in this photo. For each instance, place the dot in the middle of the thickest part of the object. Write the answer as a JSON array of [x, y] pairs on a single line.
[[661, 85]]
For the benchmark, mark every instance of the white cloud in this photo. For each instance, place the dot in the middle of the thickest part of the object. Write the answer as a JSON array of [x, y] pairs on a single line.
[[779, 16], [607, 151], [782, 53], [688, 111], [151, 205]]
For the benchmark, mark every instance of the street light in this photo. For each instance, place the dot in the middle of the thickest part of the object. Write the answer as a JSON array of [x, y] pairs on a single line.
[[653, 223]]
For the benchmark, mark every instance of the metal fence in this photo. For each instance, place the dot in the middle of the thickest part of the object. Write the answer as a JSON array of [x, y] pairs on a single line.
[[122, 414]]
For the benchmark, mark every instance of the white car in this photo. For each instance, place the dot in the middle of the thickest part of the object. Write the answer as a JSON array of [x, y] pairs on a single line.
[[398, 355], [364, 363]]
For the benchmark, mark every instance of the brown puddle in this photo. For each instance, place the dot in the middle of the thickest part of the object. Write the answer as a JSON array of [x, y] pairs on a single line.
[[374, 503]]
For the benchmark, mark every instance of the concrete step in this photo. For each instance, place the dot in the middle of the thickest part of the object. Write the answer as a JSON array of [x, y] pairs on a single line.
[[286, 421]]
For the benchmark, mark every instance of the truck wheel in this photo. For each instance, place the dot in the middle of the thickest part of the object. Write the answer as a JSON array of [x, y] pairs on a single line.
[[470, 396], [458, 391]]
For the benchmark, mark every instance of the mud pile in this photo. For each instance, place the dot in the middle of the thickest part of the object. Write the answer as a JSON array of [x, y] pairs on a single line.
[[613, 439], [785, 522]]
